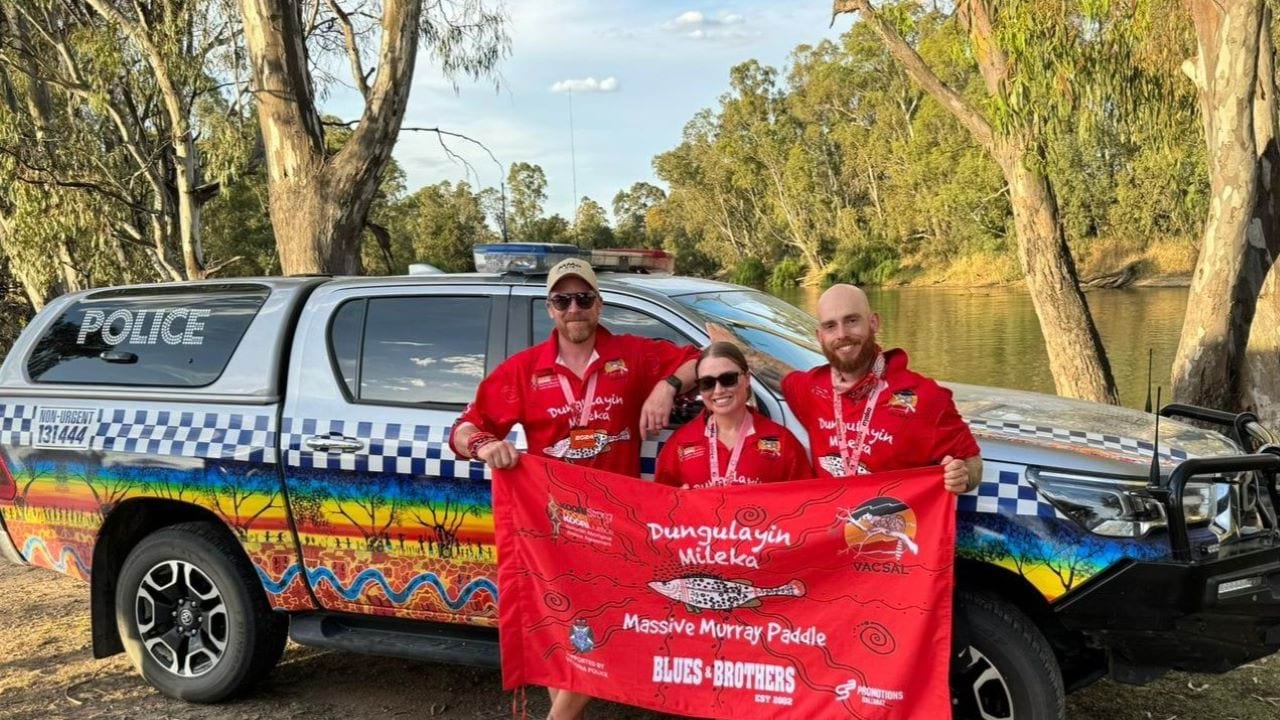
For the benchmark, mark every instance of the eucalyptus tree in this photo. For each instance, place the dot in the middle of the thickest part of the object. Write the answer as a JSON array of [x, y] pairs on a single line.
[[527, 185], [1024, 51], [123, 103], [320, 200]]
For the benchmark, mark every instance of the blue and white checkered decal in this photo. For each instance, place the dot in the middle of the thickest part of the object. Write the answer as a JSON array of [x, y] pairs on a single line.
[[15, 424], [388, 448], [1140, 449], [1004, 491], [215, 435], [403, 449]]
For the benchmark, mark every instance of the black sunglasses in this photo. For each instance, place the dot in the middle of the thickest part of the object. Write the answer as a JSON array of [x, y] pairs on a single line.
[[585, 300], [725, 380]]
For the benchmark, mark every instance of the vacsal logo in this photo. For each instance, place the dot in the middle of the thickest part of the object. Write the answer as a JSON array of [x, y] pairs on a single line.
[[867, 695], [170, 326]]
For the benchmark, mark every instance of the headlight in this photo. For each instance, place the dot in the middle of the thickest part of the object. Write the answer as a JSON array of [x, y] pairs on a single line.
[[1116, 507]]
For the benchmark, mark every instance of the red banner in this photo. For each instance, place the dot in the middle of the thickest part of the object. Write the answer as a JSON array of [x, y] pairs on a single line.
[[809, 599]]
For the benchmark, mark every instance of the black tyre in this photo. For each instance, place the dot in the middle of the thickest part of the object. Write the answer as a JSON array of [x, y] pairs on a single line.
[[1002, 667], [193, 617]]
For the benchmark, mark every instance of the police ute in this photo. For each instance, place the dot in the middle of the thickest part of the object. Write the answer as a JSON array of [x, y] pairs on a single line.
[[230, 463]]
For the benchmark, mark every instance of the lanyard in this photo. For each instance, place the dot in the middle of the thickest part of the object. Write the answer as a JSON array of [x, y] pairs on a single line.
[[584, 416], [730, 472], [852, 456]]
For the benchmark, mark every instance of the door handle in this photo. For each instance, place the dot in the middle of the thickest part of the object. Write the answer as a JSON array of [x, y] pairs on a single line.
[[334, 443]]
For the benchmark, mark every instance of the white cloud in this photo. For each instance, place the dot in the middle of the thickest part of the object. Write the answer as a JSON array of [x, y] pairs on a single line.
[[589, 84], [698, 25], [691, 17]]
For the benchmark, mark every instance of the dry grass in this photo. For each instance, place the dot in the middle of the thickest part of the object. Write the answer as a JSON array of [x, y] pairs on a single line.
[[975, 270], [1159, 257]]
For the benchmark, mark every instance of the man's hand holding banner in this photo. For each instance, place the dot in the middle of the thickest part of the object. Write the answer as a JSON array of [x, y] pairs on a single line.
[[810, 599]]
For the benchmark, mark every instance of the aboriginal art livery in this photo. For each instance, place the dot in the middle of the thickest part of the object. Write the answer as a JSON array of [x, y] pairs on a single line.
[[410, 533]]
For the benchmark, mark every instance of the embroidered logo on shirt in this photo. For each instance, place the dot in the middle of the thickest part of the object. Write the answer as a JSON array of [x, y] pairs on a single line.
[[615, 367], [692, 450], [903, 401], [834, 464], [576, 448], [545, 381], [769, 446]]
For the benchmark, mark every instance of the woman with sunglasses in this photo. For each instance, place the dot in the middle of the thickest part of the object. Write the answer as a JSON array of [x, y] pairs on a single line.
[[731, 443]]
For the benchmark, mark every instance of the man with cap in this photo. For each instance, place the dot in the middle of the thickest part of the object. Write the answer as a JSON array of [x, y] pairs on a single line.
[[584, 396]]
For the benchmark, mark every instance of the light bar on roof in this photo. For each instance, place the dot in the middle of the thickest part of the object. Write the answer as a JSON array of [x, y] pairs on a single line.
[[633, 260], [526, 258]]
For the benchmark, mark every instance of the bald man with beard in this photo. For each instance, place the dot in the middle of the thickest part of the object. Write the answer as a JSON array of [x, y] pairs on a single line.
[[865, 410]]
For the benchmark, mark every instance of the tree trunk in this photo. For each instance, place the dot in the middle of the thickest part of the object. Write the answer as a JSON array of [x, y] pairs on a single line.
[[1232, 43], [1261, 375], [1079, 366], [1262, 361], [319, 204]]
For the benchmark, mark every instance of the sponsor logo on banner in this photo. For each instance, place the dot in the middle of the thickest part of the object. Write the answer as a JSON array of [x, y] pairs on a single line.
[[60, 427], [579, 523], [878, 533], [581, 637], [867, 695]]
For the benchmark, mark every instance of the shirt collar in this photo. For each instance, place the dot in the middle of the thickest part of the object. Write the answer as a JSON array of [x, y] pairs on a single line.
[[549, 350], [748, 428]]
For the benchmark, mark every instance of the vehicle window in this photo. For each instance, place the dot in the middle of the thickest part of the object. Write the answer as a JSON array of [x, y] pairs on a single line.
[[164, 339], [345, 335], [423, 349], [764, 323], [619, 320]]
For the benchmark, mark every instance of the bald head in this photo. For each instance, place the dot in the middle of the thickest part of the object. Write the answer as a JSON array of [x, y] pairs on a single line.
[[842, 299], [847, 328]]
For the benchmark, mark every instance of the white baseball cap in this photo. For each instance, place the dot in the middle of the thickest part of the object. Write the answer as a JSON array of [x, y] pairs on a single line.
[[572, 267]]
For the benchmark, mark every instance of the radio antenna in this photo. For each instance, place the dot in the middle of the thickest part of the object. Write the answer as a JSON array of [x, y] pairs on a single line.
[[1150, 353], [1155, 447]]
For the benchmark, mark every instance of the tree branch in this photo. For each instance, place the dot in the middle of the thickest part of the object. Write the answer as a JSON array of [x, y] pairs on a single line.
[[353, 50], [920, 71]]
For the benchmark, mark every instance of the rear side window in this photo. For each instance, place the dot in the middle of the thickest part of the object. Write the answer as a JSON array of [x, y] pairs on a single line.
[[411, 349], [619, 321], [162, 339]]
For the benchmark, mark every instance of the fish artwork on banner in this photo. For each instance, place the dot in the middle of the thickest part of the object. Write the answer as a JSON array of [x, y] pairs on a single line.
[[807, 599]]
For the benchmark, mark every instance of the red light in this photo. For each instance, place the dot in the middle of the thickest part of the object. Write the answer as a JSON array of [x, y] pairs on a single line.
[[8, 488]]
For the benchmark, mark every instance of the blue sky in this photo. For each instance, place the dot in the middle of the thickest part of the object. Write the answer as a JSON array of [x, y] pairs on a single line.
[[654, 65]]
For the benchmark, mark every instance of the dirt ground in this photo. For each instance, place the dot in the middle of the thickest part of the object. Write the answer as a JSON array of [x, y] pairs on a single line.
[[46, 671]]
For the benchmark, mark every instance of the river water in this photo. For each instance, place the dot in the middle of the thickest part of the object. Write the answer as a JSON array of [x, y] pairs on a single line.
[[990, 336]]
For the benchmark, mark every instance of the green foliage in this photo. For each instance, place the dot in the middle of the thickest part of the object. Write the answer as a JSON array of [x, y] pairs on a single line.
[[591, 226], [527, 188], [439, 224], [844, 167], [786, 274], [751, 272]]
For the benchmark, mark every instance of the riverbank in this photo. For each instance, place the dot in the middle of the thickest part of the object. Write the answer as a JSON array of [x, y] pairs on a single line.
[[1160, 263]]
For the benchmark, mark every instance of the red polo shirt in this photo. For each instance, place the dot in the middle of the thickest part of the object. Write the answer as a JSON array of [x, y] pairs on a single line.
[[770, 453], [527, 389], [914, 424]]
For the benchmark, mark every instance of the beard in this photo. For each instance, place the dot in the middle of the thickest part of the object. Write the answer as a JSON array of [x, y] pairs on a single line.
[[577, 332], [857, 364]]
